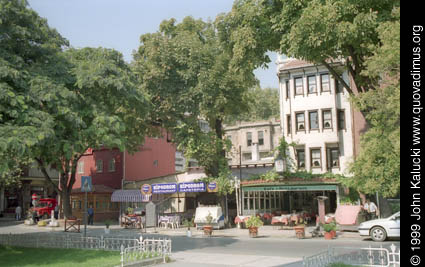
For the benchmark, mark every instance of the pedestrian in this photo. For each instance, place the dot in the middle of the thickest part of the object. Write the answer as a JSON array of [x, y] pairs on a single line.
[[18, 212], [90, 212], [371, 210], [56, 214]]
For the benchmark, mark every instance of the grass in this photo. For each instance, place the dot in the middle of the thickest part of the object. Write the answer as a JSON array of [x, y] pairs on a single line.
[[55, 257]]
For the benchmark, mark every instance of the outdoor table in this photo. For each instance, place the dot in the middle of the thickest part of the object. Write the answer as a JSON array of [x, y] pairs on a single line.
[[73, 225], [132, 221], [241, 219], [267, 216], [284, 219]]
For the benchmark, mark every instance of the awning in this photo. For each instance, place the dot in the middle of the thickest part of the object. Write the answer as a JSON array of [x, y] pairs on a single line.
[[129, 196]]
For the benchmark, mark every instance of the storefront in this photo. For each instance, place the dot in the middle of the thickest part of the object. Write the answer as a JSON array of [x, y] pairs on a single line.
[[287, 197], [99, 199]]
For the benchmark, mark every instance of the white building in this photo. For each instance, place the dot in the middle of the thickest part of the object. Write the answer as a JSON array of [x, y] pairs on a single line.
[[317, 116]]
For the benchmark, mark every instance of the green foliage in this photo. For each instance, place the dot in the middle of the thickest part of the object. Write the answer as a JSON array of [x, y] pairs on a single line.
[[315, 31], [328, 227], [263, 104], [377, 167], [209, 218], [254, 221], [185, 71], [224, 182], [57, 102], [188, 223]]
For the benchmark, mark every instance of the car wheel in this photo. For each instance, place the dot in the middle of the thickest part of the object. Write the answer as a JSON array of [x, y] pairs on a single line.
[[378, 234]]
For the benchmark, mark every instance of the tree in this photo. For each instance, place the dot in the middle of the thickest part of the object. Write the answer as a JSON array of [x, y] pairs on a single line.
[[28, 58], [99, 107], [55, 104], [263, 104], [377, 167], [320, 32], [186, 72]]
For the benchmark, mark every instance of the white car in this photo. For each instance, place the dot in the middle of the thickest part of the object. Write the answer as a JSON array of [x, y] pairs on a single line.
[[380, 229]]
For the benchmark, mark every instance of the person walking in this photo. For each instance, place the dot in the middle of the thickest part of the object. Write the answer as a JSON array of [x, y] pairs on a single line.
[[371, 210], [56, 212], [90, 212], [18, 212]]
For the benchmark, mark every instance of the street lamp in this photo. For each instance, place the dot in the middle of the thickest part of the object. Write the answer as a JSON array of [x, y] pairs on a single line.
[[237, 184]]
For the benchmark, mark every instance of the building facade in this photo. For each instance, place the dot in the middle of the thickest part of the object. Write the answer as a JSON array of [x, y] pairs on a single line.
[[316, 116]]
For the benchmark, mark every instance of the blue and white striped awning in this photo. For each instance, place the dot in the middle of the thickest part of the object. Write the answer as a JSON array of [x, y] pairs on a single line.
[[129, 196]]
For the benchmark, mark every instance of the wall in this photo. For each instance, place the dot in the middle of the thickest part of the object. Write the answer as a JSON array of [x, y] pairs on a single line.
[[155, 158]]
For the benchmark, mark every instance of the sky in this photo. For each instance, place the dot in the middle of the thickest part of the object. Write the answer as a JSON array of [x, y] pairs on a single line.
[[118, 24]]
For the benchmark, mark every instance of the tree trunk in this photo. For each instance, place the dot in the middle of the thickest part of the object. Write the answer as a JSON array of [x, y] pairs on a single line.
[[66, 203]]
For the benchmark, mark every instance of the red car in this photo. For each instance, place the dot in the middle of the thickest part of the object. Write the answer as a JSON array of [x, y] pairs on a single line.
[[45, 207]]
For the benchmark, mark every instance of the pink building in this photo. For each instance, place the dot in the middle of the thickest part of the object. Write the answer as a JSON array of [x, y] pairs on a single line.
[[108, 168]]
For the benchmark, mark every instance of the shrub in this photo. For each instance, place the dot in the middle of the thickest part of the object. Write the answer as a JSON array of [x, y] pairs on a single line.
[[254, 221]]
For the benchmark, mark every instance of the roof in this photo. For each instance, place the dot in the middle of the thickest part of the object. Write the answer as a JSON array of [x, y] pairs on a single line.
[[97, 188], [294, 64]]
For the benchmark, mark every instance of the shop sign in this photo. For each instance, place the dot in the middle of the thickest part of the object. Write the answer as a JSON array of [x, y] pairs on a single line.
[[212, 187], [164, 188], [86, 184], [146, 189], [292, 188], [192, 187]]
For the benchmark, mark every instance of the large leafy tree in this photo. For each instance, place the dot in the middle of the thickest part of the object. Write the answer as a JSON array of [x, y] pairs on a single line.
[[263, 104], [313, 30], [377, 167], [28, 59], [185, 69], [56, 104]]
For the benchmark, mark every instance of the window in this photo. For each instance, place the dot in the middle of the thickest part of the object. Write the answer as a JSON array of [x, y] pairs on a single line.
[[341, 119], [288, 92], [288, 123], [313, 120], [316, 158], [247, 156], [264, 155], [260, 138], [300, 158], [324, 78], [311, 83], [99, 165], [155, 163], [111, 165], [248, 138], [81, 167], [299, 86], [300, 121], [327, 119], [334, 157]]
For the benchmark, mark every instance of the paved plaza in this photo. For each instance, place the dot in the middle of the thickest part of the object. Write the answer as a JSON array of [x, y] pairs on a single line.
[[227, 247]]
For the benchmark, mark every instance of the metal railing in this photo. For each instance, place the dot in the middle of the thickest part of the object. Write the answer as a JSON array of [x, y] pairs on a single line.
[[370, 257], [147, 250]]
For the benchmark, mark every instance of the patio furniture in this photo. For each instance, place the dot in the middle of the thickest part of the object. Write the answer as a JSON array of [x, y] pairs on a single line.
[[132, 222]]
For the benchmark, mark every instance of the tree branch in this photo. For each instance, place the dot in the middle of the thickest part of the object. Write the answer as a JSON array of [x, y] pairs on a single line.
[[46, 175], [336, 76]]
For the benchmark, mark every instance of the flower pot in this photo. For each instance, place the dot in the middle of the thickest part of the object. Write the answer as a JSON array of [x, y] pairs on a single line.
[[299, 231], [208, 230], [333, 232], [253, 231], [328, 235]]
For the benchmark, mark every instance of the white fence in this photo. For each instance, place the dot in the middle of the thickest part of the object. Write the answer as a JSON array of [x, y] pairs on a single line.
[[132, 250], [147, 250], [370, 257]]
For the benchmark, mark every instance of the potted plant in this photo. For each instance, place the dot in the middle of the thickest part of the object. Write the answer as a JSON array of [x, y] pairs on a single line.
[[208, 228], [328, 228], [253, 223], [188, 224], [300, 229], [107, 223]]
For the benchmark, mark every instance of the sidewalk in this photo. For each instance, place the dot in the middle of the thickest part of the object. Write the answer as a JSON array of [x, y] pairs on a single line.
[[9, 225]]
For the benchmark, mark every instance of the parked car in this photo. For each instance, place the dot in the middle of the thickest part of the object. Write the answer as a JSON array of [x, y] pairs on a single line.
[[381, 229], [45, 207]]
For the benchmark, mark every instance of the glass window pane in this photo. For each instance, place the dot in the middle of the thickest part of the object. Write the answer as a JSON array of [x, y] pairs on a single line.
[[312, 84], [314, 120], [325, 82]]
